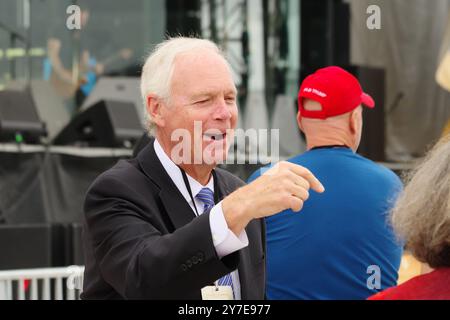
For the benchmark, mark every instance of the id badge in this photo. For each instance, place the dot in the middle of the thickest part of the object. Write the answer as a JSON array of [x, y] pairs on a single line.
[[217, 293]]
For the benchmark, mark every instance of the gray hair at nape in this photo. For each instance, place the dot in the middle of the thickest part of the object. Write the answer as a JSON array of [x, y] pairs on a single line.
[[421, 216], [158, 68]]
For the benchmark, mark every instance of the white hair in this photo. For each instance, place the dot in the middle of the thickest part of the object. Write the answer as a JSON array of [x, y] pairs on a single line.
[[421, 216], [158, 68]]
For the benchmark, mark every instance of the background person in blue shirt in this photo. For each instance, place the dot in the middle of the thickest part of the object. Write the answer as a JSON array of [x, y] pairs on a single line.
[[326, 251]]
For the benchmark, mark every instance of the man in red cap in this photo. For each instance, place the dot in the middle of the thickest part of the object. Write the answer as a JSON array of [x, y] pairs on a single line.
[[340, 246]]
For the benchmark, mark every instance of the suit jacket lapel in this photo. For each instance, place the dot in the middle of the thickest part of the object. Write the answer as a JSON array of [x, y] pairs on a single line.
[[178, 210]]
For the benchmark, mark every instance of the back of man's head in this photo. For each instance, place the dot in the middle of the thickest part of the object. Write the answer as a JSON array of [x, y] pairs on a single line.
[[330, 110]]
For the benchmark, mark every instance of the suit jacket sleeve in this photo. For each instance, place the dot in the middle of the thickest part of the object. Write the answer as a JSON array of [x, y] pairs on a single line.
[[135, 252]]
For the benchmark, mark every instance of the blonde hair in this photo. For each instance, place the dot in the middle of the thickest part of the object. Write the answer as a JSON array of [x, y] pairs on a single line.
[[421, 216], [158, 67]]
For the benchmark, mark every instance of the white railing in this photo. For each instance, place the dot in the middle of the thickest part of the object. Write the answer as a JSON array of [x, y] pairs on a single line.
[[42, 284]]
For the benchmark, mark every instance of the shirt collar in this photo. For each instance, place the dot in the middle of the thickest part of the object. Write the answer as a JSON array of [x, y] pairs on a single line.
[[175, 174], [196, 186]]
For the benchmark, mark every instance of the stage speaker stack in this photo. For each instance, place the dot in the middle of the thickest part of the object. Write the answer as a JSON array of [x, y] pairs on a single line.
[[110, 124], [19, 119], [373, 136], [325, 34], [183, 17]]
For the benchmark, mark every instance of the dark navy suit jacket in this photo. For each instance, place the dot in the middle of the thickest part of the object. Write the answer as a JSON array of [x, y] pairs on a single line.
[[143, 241]]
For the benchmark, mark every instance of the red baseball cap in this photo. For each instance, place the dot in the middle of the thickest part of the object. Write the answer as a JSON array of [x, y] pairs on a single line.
[[335, 89]]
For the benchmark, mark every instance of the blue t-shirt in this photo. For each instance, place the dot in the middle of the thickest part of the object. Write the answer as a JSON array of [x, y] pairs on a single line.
[[91, 76], [329, 249]]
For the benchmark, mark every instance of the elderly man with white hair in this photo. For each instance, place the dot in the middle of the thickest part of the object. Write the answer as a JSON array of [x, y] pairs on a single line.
[[168, 224]]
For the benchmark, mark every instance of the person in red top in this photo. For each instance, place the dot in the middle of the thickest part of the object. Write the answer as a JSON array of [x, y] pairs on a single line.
[[421, 218]]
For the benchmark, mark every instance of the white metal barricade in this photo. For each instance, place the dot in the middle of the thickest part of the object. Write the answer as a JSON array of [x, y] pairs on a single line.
[[42, 284]]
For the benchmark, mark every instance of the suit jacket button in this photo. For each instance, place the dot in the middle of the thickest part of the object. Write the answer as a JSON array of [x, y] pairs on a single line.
[[183, 267], [194, 259], [189, 263], [200, 256]]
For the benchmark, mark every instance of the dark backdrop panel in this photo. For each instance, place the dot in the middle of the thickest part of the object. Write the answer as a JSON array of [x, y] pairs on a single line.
[[46, 187], [67, 178], [22, 199], [31, 246]]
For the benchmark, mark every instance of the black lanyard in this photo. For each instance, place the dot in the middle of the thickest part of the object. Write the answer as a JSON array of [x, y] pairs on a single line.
[[188, 187]]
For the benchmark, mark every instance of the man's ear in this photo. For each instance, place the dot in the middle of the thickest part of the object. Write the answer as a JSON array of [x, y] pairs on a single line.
[[299, 121], [154, 109], [355, 118]]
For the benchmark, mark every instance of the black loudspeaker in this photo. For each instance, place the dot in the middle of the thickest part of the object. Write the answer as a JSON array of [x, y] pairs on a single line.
[[49, 105], [325, 34], [31, 246], [110, 124], [19, 119], [372, 81]]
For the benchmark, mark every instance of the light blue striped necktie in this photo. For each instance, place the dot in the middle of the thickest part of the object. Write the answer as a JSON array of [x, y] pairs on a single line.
[[207, 197]]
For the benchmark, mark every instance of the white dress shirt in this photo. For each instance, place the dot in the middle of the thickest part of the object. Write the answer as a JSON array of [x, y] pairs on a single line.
[[225, 241]]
